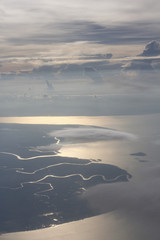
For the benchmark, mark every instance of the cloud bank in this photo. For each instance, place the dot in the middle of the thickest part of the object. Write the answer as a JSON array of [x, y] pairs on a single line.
[[91, 134], [147, 60], [82, 135], [138, 200]]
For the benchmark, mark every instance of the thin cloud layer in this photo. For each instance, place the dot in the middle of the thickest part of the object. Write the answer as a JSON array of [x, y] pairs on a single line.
[[49, 148], [139, 65], [91, 134], [138, 200], [82, 135]]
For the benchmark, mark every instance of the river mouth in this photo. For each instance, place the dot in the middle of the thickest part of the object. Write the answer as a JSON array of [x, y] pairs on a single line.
[[40, 187]]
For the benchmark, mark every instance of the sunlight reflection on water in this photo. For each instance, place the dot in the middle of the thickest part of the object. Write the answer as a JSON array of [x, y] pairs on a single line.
[[110, 152]]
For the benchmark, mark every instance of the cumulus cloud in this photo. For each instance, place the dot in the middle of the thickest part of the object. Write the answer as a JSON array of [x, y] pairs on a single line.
[[149, 60], [138, 200], [151, 49], [91, 134]]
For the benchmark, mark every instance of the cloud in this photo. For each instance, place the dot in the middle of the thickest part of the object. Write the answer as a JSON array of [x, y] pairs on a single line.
[[141, 199], [84, 70], [138, 200], [74, 31], [49, 148], [83, 134], [93, 74], [151, 49], [49, 85], [147, 60], [99, 56], [91, 134], [143, 64], [44, 69]]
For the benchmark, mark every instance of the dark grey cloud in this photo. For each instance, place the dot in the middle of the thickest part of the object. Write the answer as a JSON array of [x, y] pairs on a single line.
[[88, 70], [151, 49], [149, 62], [142, 64], [44, 68], [99, 56], [139, 64], [90, 31]]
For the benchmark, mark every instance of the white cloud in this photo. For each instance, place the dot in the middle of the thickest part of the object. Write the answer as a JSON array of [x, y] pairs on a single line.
[[49, 148], [82, 135], [91, 134]]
